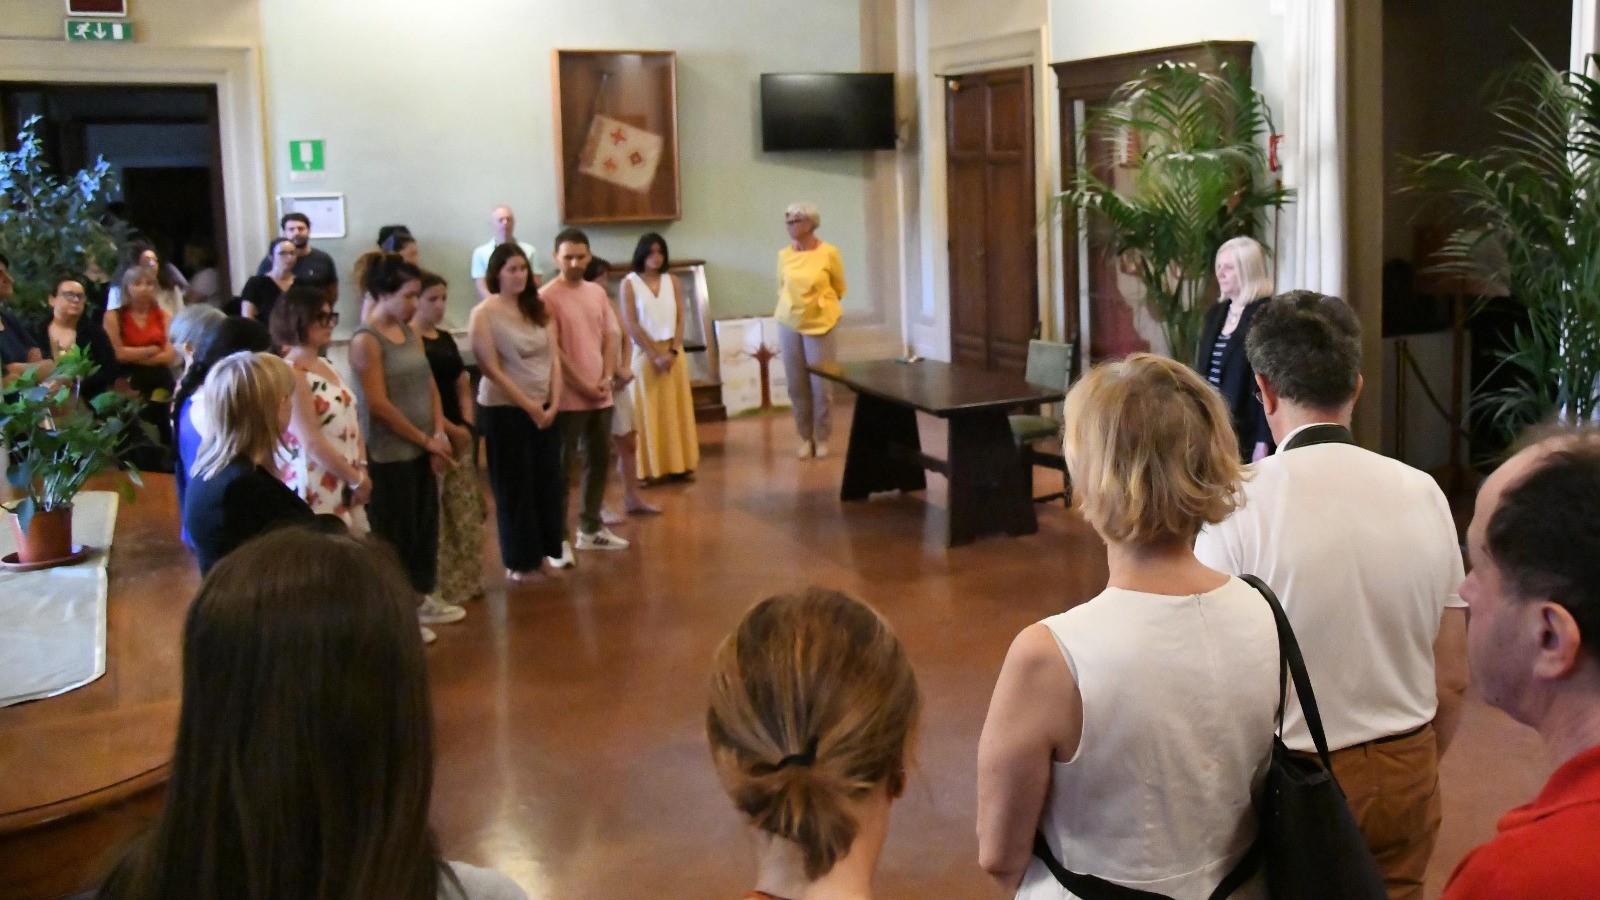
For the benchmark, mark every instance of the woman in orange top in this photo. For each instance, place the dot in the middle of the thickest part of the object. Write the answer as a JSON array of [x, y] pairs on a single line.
[[138, 333], [810, 288]]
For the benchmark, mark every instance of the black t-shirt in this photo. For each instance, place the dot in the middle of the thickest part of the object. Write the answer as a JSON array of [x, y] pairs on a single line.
[[444, 357], [315, 269], [15, 339], [234, 505], [263, 293], [96, 345]]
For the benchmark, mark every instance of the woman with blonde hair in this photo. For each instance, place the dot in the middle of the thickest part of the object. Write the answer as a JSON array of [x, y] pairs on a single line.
[[1130, 733], [810, 293], [234, 492], [812, 712], [1243, 281]]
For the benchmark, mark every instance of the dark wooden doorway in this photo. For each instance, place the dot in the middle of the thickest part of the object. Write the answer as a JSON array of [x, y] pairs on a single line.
[[994, 259], [165, 141]]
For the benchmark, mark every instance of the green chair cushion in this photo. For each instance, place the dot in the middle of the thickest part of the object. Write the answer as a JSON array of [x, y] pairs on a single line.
[[1027, 429]]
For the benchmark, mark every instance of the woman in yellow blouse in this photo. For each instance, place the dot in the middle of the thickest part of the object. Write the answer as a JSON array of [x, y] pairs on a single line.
[[810, 286]]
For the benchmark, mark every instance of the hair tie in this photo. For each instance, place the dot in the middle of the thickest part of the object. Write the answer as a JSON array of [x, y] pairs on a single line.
[[808, 758]]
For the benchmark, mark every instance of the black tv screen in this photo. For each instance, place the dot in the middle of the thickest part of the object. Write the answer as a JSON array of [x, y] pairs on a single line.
[[828, 111]]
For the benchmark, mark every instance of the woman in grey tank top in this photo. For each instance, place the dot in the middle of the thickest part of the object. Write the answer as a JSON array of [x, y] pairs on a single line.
[[406, 442]]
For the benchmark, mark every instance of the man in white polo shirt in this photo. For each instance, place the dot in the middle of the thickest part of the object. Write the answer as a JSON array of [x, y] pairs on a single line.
[[505, 226], [1363, 551]]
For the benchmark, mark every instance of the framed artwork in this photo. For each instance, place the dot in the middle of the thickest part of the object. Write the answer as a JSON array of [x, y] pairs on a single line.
[[616, 120]]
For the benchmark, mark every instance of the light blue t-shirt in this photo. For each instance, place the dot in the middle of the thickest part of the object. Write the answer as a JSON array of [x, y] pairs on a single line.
[[480, 258]]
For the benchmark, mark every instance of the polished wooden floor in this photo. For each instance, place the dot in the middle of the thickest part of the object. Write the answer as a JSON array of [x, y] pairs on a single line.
[[569, 713]]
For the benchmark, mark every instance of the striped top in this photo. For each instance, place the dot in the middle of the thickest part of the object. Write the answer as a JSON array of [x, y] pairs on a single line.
[[1219, 348]]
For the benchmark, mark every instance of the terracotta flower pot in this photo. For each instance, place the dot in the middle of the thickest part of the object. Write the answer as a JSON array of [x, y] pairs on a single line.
[[49, 536]]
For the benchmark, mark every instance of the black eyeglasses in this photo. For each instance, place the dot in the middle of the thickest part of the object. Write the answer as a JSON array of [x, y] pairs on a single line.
[[333, 319]]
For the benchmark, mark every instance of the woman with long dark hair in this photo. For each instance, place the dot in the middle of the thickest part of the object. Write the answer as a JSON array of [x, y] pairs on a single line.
[[461, 513], [652, 315], [516, 342], [296, 774]]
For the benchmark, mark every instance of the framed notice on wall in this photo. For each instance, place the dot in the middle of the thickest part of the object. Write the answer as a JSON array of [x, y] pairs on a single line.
[[617, 135], [326, 212]]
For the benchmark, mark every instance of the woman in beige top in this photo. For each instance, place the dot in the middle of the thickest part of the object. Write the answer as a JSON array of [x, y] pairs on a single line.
[[515, 340]]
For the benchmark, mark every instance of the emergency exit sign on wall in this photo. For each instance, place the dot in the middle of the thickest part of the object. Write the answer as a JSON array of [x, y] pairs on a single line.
[[98, 30], [305, 156]]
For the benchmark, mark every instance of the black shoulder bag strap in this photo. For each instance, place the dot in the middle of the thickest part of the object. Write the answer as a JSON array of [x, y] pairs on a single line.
[[1090, 887], [1289, 659]]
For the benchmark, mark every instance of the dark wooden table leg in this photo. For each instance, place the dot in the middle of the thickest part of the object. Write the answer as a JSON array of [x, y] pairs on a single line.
[[869, 464], [989, 493]]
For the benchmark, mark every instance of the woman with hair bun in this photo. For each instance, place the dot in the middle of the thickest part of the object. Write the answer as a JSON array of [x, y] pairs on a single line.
[[812, 712]]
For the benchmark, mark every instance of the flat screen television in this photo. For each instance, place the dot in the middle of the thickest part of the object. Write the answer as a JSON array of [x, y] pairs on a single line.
[[828, 111]]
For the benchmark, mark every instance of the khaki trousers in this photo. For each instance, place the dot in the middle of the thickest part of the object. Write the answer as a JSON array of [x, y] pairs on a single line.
[[1393, 789]]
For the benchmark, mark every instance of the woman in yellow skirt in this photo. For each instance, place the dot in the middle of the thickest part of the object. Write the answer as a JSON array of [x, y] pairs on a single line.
[[652, 316]]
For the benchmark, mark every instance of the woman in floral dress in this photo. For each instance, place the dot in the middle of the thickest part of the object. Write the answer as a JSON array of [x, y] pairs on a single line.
[[323, 457]]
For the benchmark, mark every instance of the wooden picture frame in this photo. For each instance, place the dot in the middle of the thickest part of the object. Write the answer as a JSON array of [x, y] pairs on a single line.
[[616, 123]]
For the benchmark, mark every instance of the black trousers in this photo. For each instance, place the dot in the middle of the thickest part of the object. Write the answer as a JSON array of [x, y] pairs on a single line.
[[530, 496], [404, 511]]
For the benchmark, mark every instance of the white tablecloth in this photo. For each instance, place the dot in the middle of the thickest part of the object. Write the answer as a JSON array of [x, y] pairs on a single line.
[[53, 621]]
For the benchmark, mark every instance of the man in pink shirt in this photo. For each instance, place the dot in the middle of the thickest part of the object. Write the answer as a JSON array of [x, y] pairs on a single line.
[[590, 341]]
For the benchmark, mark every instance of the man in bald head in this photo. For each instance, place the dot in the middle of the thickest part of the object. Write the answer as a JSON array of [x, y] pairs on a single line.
[[505, 226], [1534, 643]]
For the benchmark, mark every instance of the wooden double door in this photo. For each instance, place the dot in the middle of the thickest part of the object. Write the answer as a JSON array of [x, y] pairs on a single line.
[[994, 272]]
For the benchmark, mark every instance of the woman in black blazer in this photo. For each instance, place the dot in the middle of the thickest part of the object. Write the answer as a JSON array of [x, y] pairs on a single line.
[[234, 493], [1220, 357]]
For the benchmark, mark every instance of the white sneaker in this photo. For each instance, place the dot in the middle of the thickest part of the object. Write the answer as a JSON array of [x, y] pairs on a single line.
[[610, 517], [821, 450], [428, 636], [434, 611], [805, 451], [601, 540], [566, 559]]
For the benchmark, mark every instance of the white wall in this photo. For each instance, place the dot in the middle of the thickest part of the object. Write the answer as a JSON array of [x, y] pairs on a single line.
[[435, 113], [165, 23]]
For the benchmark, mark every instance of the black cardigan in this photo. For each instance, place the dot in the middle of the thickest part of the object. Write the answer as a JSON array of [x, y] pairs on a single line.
[[1238, 385], [236, 504], [96, 345]]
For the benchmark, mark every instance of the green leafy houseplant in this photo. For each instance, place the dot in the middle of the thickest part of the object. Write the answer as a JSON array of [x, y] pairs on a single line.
[[1528, 210], [48, 225], [58, 442], [1201, 178]]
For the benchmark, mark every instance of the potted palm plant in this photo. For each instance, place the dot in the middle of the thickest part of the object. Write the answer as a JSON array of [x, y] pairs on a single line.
[[1196, 140], [1528, 221], [58, 441]]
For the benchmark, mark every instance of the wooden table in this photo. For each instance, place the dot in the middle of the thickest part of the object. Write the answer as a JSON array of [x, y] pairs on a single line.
[[991, 483], [83, 771]]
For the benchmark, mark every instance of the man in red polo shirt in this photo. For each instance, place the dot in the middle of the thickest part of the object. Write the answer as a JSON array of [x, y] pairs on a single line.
[[1534, 643]]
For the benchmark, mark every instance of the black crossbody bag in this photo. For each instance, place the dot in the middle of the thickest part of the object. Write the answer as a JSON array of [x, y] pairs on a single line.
[[1308, 839]]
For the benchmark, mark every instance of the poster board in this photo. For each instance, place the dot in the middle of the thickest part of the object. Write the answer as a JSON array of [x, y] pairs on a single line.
[[326, 212]]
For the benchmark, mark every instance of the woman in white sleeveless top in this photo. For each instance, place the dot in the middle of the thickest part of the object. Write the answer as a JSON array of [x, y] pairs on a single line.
[[652, 315], [1133, 731]]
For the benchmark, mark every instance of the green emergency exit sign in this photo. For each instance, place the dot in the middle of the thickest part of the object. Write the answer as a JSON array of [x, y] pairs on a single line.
[[305, 156], [98, 30]]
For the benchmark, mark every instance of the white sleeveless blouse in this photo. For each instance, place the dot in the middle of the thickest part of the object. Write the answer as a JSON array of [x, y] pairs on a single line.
[[1178, 701], [657, 313]]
